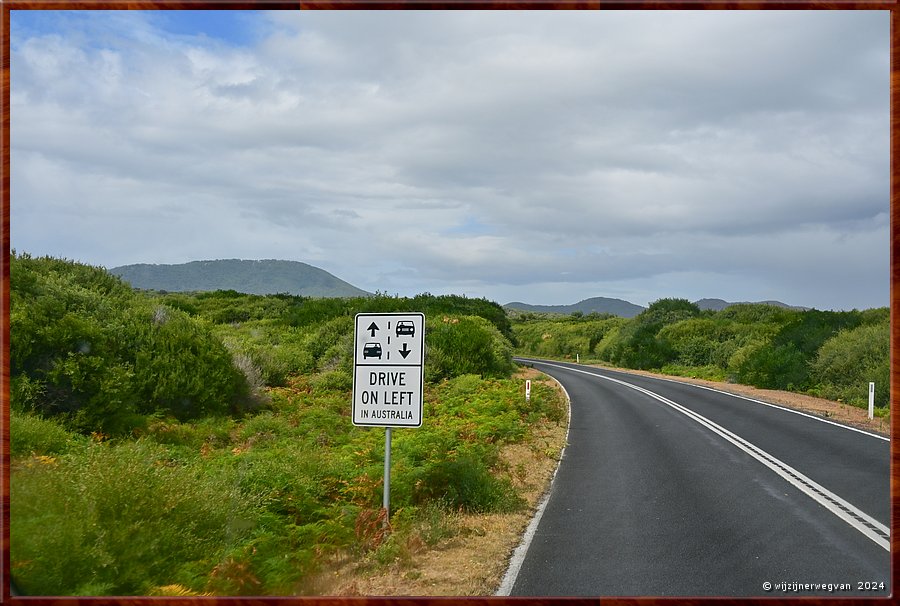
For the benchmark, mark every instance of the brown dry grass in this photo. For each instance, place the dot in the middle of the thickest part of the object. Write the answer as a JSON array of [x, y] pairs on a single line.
[[474, 560]]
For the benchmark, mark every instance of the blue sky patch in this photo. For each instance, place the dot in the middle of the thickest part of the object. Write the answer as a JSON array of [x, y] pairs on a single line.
[[234, 28]]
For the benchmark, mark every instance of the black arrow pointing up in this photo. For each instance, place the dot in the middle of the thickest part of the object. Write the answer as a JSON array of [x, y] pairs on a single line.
[[373, 327], [405, 351]]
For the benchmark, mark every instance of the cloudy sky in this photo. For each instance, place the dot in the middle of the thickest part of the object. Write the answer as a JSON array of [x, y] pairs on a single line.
[[544, 157]]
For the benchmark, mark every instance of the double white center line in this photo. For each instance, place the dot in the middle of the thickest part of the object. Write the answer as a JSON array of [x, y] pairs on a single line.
[[852, 515]]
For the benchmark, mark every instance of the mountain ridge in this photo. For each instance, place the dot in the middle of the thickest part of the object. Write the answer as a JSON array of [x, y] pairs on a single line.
[[257, 277]]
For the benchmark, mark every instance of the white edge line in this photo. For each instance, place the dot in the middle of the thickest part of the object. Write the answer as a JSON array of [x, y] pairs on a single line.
[[782, 468], [518, 556], [784, 408], [734, 395]]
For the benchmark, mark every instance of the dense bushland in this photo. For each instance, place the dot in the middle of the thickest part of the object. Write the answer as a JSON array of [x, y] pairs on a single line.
[[85, 347], [277, 336], [257, 505], [852, 358], [88, 348], [826, 353], [229, 306], [201, 443], [563, 336]]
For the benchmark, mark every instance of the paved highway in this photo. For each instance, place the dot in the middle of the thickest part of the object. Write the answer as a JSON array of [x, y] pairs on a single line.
[[668, 489]]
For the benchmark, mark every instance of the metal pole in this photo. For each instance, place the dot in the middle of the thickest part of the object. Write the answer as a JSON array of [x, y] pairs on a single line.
[[387, 475]]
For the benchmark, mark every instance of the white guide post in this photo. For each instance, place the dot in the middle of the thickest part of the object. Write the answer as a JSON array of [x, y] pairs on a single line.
[[871, 400]]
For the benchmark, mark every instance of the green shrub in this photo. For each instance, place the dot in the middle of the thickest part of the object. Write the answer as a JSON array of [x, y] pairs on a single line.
[[194, 435], [265, 427], [229, 306], [565, 336], [335, 380], [636, 346], [546, 401], [87, 348], [33, 435], [465, 482], [762, 364], [119, 520], [338, 357], [809, 330], [465, 345], [185, 370], [315, 312], [275, 560], [696, 342], [463, 386], [757, 313], [26, 393], [636, 343], [275, 350], [847, 362], [289, 480]]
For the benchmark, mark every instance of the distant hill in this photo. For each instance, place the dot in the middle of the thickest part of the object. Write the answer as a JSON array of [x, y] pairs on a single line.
[[600, 305], [252, 277]]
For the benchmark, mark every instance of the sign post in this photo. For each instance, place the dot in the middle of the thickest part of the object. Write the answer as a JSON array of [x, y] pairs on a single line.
[[388, 377], [386, 498]]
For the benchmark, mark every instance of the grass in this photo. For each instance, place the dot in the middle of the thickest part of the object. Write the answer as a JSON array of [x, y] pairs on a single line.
[[34, 435], [118, 519]]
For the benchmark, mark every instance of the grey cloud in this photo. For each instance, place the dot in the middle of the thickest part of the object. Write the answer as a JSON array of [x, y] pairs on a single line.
[[590, 148]]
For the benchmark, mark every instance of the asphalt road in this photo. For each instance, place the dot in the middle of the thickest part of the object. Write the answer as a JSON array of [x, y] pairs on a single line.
[[667, 489]]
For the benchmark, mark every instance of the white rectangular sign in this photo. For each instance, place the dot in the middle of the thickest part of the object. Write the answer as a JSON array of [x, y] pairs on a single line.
[[388, 377]]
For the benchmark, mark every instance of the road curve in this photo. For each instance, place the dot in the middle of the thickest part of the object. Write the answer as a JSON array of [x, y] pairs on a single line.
[[668, 489]]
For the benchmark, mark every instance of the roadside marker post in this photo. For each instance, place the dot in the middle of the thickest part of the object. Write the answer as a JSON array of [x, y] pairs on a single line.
[[871, 401], [528, 390], [388, 377]]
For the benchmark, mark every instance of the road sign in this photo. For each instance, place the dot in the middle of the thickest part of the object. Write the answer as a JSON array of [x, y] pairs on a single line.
[[388, 359]]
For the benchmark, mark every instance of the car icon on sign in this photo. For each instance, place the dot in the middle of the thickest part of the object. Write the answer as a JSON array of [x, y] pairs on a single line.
[[372, 350], [405, 327]]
